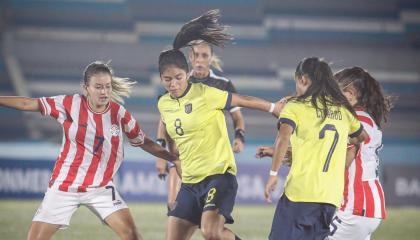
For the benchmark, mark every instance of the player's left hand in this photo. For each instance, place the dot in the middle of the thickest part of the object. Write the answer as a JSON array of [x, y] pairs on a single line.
[[238, 145], [269, 187], [279, 105]]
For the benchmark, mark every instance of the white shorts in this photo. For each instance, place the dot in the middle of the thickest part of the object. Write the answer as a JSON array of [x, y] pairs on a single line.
[[346, 226], [57, 207]]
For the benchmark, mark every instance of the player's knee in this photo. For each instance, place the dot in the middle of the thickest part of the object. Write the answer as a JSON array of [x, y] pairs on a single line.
[[211, 234], [130, 234]]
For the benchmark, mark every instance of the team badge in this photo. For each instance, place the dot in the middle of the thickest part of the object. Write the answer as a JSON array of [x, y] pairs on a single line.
[[188, 108], [115, 130]]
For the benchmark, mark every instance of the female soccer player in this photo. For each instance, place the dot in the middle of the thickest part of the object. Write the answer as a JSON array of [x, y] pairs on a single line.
[[363, 205], [317, 122], [194, 122], [91, 153], [202, 59]]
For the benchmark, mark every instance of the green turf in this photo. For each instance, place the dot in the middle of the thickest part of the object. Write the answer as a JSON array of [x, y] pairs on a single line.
[[252, 222]]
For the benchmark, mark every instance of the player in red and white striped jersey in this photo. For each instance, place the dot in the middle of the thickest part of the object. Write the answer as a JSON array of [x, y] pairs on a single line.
[[363, 204], [91, 152]]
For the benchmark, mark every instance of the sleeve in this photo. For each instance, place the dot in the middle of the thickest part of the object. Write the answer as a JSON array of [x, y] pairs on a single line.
[[217, 99], [132, 129], [55, 106], [355, 128], [231, 88], [288, 115]]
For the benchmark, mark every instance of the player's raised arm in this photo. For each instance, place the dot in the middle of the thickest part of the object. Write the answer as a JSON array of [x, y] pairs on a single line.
[[257, 103], [20, 103]]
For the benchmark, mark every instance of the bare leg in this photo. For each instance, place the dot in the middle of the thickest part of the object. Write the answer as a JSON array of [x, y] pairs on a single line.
[[179, 229], [123, 224], [174, 184], [42, 230], [212, 226]]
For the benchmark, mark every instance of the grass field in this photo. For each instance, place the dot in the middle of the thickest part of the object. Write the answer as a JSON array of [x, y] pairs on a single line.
[[252, 222]]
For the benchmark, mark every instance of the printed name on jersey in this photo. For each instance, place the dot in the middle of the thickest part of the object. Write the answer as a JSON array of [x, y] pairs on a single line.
[[188, 108], [115, 130]]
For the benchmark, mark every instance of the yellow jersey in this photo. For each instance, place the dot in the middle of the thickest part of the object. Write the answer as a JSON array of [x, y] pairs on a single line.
[[319, 151], [195, 121]]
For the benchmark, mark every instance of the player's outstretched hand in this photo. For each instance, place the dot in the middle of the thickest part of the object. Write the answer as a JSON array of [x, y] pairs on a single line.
[[264, 151], [269, 187], [161, 168], [279, 105]]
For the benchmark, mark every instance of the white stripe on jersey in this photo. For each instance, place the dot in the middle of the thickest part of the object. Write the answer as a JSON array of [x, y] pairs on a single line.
[[87, 155], [74, 113], [212, 75]]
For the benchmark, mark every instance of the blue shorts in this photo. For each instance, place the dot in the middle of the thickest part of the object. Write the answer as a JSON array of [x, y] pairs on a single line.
[[214, 192], [301, 220]]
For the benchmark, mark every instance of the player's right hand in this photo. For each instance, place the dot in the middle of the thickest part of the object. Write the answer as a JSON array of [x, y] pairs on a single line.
[[264, 151], [269, 187], [161, 168]]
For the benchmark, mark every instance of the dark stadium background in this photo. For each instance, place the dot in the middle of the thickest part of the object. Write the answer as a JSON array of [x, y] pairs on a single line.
[[45, 45]]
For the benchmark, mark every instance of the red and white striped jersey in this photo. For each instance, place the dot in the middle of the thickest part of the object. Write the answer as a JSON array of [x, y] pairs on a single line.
[[363, 194], [92, 147]]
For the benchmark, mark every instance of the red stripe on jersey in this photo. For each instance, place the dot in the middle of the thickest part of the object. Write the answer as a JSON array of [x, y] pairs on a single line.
[[381, 196], [54, 111], [67, 102], [365, 119], [358, 186], [124, 121], [80, 139], [97, 153], [370, 202], [115, 142], [346, 190]]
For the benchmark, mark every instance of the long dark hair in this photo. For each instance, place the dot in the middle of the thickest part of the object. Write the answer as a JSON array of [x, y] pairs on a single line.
[[206, 28], [323, 88], [370, 95]]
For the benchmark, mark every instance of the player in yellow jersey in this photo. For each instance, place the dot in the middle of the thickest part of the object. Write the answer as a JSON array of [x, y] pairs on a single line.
[[196, 129], [318, 122]]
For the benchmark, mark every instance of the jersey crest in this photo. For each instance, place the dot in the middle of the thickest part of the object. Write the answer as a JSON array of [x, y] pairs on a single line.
[[188, 108]]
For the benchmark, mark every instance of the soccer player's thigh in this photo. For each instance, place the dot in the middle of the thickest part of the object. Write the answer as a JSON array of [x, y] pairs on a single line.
[[174, 184], [109, 206], [184, 217], [55, 212], [348, 226], [220, 196]]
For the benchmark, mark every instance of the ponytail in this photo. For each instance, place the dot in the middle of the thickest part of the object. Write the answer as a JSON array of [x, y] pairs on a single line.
[[206, 28], [323, 88], [369, 92], [216, 63]]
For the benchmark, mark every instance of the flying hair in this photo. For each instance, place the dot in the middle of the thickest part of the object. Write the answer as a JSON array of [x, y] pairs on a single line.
[[205, 28]]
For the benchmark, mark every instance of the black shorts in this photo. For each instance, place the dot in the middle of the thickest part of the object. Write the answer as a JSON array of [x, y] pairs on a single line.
[[214, 192], [301, 220]]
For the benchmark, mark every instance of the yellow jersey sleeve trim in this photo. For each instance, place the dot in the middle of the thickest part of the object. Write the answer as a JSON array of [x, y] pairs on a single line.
[[287, 121], [357, 133]]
